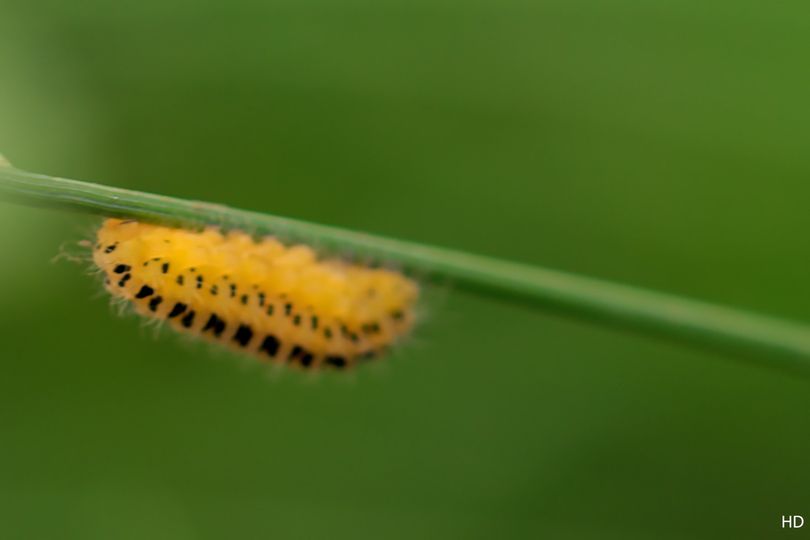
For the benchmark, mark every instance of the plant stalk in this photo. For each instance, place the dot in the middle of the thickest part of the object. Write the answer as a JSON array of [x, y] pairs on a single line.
[[772, 341]]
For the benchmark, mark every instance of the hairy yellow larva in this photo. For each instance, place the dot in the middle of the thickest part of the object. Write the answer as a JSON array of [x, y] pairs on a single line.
[[277, 302]]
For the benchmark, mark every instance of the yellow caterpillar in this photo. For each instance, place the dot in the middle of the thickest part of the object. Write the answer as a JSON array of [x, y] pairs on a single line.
[[277, 302]]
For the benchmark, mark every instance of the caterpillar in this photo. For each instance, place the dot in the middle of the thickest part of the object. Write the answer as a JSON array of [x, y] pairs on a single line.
[[279, 303]]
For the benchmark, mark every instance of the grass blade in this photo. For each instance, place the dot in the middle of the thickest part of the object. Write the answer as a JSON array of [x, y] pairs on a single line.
[[772, 341]]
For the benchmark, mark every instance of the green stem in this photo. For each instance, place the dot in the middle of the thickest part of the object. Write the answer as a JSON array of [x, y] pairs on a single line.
[[773, 341]]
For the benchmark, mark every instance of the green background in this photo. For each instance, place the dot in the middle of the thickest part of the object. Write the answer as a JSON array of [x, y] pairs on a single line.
[[663, 144]]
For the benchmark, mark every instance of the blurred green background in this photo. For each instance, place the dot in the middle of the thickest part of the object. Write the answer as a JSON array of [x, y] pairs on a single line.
[[663, 144]]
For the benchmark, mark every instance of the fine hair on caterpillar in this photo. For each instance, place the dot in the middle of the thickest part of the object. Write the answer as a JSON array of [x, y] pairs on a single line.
[[283, 304]]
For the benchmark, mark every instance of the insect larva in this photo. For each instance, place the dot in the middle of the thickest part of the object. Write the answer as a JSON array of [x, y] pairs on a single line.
[[279, 303]]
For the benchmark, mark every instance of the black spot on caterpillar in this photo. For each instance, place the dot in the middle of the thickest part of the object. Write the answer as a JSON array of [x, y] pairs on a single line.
[[270, 345], [243, 335], [188, 320], [336, 361], [215, 324], [145, 291], [155, 302], [177, 309]]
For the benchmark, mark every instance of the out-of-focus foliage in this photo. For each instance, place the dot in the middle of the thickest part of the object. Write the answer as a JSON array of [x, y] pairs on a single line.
[[661, 144]]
